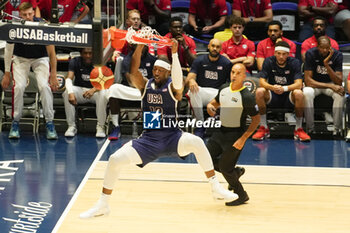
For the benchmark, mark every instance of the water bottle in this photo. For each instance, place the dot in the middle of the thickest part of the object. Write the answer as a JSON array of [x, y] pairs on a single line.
[[134, 133]]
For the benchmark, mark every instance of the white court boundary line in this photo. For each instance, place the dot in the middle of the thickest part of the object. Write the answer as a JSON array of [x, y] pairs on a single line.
[[81, 186]]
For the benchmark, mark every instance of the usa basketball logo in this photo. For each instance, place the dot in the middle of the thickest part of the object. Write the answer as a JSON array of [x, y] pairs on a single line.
[[151, 120]]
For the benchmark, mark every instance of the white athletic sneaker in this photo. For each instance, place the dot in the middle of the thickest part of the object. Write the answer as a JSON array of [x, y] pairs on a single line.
[[328, 117], [99, 209], [347, 138], [71, 131], [100, 131], [219, 193]]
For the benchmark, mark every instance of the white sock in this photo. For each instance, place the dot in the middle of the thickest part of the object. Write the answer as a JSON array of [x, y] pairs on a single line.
[[213, 180], [115, 119], [299, 122], [263, 120], [105, 198]]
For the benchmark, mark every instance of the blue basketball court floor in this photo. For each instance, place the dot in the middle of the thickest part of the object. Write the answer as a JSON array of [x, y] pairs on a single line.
[[39, 177]]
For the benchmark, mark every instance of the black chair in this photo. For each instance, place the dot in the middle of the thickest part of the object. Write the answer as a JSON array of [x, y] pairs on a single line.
[[180, 8], [287, 14]]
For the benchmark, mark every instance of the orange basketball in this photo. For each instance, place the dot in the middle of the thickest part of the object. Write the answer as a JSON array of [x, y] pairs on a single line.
[[101, 77]]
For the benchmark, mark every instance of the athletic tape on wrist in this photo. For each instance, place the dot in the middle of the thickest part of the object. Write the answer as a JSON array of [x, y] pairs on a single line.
[[69, 86]]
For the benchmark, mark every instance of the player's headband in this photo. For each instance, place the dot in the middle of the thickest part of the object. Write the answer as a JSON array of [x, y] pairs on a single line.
[[281, 48], [162, 64]]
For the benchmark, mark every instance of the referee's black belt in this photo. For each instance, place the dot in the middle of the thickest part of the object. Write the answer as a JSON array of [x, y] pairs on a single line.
[[231, 129]]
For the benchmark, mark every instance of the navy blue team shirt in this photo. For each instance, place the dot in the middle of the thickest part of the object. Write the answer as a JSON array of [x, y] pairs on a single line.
[[275, 74], [211, 74], [161, 100], [81, 72], [314, 62], [30, 50], [146, 66]]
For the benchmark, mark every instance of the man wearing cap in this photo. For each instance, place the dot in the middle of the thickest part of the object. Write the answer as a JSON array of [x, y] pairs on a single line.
[[280, 87]]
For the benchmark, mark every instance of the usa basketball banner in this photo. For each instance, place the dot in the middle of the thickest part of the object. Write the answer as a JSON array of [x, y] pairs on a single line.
[[41, 33]]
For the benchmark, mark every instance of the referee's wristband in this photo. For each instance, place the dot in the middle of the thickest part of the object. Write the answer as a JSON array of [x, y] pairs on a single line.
[[285, 88]]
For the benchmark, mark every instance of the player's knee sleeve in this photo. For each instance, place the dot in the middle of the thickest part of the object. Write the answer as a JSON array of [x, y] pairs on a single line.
[[124, 156], [190, 143]]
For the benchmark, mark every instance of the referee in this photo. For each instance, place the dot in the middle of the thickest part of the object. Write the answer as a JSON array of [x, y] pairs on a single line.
[[225, 145]]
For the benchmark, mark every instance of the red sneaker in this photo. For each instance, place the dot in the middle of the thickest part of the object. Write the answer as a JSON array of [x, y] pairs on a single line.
[[300, 135], [261, 134]]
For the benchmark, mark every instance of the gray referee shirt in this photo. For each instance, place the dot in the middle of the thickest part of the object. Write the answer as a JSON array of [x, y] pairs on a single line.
[[235, 106]]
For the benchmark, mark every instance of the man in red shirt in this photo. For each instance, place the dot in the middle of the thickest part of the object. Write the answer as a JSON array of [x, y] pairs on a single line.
[[239, 49], [12, 8], [319, 28], [133, 20], [256, 14], [66, 9], [206, 16], [266, 47], [308, 9], [154, 13], [187, 46]]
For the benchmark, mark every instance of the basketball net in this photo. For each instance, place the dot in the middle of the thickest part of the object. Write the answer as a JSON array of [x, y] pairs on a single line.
[[146, 35]]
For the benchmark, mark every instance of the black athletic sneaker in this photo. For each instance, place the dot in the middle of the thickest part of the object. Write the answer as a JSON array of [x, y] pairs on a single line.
[[241, 200], [240, 171]]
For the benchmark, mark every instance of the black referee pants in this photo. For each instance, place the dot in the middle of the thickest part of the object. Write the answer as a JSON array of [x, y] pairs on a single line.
[[225, 157]]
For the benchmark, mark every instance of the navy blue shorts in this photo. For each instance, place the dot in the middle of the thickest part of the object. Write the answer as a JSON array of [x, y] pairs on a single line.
[[280, 101], [153, 144]]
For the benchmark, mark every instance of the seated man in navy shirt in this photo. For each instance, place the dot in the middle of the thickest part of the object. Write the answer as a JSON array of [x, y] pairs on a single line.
[[280, 87], [126, 91], [324, 75], [207, 74], [83, 92]]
